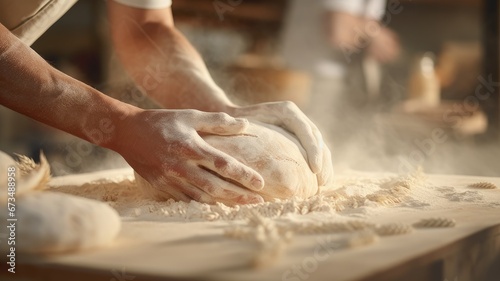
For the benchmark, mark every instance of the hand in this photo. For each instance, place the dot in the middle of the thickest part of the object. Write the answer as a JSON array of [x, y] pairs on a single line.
[[385, 47], [166, 149], [349, 32], [290, 117]]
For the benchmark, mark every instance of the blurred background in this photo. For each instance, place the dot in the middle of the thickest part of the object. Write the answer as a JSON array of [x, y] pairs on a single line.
[[418, 87]]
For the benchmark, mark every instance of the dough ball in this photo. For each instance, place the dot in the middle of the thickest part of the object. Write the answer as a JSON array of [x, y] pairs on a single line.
[[51, 222], [271, 151]]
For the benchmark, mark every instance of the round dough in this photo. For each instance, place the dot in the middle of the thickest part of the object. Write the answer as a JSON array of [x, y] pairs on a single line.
[[271, 151], [51, 222]]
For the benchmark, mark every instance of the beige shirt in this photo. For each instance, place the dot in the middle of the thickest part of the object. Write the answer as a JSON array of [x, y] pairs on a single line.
[[29, 19]]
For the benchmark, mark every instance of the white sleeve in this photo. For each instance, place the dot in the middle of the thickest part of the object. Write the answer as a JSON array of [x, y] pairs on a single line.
[[375, 9], [367, 8], [146, 4]]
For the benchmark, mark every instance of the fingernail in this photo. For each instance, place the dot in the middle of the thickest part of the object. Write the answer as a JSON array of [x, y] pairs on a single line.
[[257, 183], [255, 200]]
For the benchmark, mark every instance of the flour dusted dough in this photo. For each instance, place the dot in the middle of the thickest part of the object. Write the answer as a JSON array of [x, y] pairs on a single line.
[[51, 222], [271, 151]]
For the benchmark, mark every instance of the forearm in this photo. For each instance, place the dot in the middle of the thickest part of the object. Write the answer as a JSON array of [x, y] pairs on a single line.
[[30, 86], [161, 61]]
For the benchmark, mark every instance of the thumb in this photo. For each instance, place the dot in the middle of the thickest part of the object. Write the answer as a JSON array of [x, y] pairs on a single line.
[[220, 124]]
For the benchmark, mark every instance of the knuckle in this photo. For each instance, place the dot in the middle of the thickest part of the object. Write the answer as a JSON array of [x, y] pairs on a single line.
[[222, 164], [189, 114], [188, 149], [290, 105], [222, 117]]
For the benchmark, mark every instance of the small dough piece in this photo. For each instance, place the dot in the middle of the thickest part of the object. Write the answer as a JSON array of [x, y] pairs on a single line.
[[271, 151], [51, 222]]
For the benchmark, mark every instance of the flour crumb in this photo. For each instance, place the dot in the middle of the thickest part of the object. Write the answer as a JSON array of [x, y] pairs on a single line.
[[360, 239], [435, 223], [393, 229], [483, 185], [270, 240]]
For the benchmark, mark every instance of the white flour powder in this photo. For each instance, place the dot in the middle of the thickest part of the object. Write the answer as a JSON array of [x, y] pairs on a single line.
[[348, 208]]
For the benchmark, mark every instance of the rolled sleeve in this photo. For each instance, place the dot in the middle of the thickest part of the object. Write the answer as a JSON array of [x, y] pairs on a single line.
[[367, 8], [146, 4]]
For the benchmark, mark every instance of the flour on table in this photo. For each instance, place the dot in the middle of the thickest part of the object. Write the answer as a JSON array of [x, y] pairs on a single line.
[[124, 195], [347, 210], [269, 239], [360, 239]]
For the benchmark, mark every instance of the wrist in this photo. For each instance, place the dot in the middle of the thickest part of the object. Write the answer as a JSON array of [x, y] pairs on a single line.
[[112, 130]]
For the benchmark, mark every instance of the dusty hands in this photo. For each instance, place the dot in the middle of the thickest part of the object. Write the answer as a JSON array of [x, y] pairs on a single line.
[[165, 148], [289, 116]]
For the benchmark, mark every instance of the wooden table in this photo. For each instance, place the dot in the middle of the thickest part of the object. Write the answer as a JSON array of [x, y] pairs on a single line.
[[172, 250]]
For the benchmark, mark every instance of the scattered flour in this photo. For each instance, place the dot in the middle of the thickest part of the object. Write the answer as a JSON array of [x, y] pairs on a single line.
[[452, 194], [129, 201], [272, 225]]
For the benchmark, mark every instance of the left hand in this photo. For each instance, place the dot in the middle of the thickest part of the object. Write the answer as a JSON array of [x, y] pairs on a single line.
[[287, 115]]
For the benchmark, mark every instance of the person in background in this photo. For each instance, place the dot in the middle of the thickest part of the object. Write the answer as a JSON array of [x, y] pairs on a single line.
[[320, 37], [164, 146], [342, 45]]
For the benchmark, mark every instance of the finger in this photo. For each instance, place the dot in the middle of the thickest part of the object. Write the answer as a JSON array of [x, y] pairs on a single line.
[[168, 189], [171, 191], [219, 124], [223, 190], [311, 141], [320, 148], [228, 167], [288, 115], [295, 121], [185, 189], [263, 112], [325, 177]]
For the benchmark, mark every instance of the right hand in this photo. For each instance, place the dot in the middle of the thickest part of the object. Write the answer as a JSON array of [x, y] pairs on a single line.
[[166, 149], [288, 116]]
